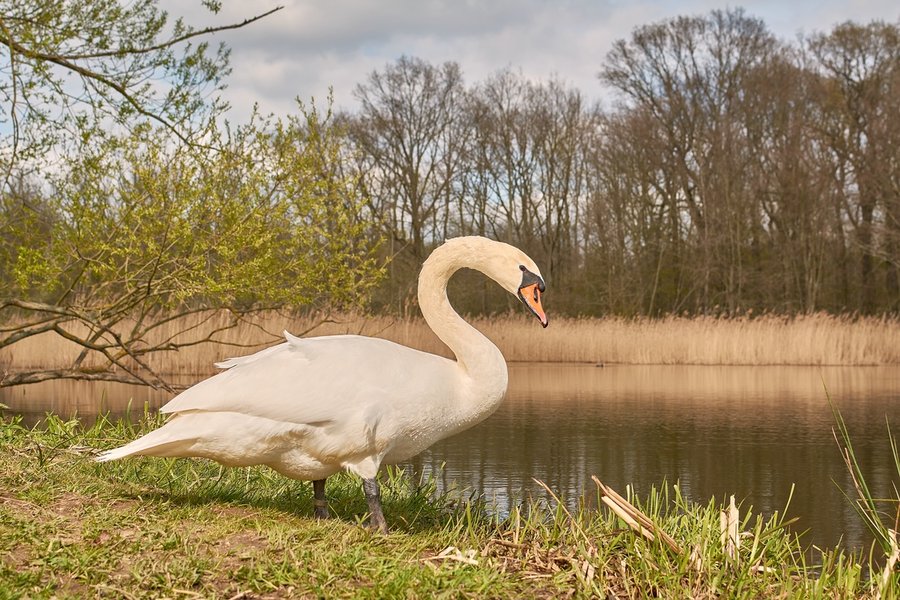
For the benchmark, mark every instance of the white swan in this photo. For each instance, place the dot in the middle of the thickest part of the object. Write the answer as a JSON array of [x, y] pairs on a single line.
[[309, 408]]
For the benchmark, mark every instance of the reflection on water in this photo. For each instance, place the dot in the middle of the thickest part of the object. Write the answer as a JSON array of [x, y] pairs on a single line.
[[747, 431], [83, 399]]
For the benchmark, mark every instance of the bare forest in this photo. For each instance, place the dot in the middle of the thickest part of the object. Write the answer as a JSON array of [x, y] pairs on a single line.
[[729, 172]]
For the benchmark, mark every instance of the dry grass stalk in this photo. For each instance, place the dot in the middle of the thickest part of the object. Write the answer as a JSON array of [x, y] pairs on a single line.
[[696, 558], [534, 560], [633, 517], [577, 528], [729, 522], [452, 553], [891, 562]]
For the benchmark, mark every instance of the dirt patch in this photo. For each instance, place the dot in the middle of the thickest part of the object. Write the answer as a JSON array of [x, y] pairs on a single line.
[[71, 587], [65, 506], [123, 504], [69, 505], [17, 504], [240, 542], [18, 558], [230, 510]]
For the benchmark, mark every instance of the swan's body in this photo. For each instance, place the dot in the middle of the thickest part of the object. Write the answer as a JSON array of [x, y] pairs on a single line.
[[276, 408], [311, 407]]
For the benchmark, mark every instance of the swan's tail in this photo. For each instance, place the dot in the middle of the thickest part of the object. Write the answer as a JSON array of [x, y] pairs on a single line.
[[172, 439]]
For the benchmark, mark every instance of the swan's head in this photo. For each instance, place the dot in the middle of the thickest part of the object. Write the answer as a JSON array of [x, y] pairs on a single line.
[[517, 273], [530, 291], [507, 265]]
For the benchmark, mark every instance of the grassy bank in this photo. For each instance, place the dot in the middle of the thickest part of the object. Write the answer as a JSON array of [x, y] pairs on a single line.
[[188, 528], [817, 339]]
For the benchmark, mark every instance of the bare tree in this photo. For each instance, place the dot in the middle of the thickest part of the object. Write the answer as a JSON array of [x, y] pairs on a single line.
[[861, 85], [689, 76], [529, 162], [408, 140], [407, 132]]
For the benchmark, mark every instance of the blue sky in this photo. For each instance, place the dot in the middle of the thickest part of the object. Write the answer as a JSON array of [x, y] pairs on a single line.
[[312, 45]]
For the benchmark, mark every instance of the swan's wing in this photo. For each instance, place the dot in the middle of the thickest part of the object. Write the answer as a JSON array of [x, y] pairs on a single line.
[[318, 381]]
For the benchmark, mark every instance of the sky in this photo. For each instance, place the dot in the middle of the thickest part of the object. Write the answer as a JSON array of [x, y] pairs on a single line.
[[311, 46]]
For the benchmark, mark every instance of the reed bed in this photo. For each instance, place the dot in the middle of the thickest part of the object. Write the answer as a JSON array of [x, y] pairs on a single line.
[[816, 339]]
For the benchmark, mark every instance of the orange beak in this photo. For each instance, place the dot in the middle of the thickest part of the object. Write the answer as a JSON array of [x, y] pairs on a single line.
[[531, 296]]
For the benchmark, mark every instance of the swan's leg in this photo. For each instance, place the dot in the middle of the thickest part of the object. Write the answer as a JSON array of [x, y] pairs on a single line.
[[373, 497], [319, 500]]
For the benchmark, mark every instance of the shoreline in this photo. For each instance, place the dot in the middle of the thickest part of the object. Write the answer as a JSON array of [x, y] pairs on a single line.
[[174, 528], [805, 340]]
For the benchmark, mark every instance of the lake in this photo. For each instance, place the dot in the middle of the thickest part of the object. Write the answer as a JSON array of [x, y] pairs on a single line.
[[715, 430]]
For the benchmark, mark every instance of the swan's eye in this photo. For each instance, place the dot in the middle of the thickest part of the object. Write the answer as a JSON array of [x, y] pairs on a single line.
[[522, 268]]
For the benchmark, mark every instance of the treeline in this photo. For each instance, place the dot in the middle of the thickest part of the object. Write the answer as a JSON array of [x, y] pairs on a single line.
[[731, 172], [728, 171]]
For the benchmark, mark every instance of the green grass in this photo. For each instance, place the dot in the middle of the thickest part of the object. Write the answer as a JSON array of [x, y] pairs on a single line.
[[184, 528]]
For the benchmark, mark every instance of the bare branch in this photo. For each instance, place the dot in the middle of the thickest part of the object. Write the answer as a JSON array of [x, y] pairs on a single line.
[[118, 53], [15, 47], [28, 377], [22, 332]]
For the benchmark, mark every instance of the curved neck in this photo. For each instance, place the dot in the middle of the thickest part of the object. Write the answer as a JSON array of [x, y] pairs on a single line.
[[475, 353]]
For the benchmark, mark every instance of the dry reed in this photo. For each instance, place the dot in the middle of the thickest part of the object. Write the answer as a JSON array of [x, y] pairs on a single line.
[[817, 339]]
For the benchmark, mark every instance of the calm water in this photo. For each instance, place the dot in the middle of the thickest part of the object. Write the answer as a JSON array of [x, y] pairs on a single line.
[[747, 431]]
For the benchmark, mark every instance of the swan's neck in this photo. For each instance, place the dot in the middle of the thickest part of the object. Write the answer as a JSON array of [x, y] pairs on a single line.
[[476, 354]]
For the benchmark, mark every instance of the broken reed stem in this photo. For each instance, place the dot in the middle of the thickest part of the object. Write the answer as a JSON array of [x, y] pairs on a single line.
[[453, 553], [729, 521], [635, 519]]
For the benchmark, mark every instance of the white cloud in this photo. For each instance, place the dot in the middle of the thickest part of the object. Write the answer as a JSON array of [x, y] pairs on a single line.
[[312, 45]]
